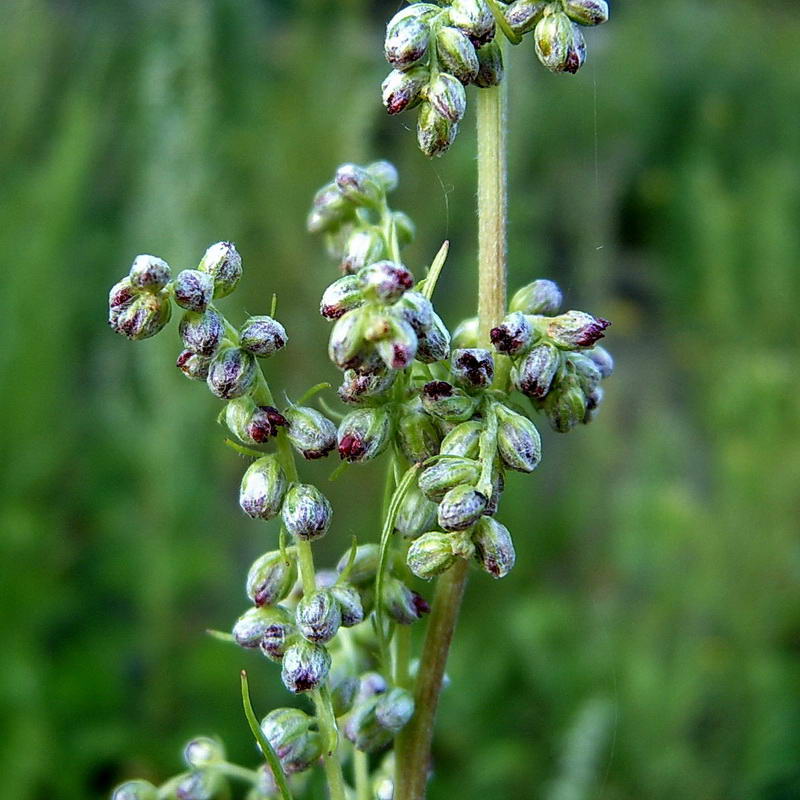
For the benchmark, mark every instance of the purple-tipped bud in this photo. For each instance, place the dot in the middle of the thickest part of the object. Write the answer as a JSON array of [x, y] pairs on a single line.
[[407, 38], [250, 423], [341, 296], [263, 488], [576, 329], [357, 185], [137, 314], [224, 264], [518, 441], [194, 290], [540, 297], [602, 360], [135, 790], [203, 752], [365, 564], [357, 390], [279, 635], [311, 433], [271, 578], [305, 666], [349, 601], [258, 624], [364, 247], [559, 43], [202, 333], [434, 343], [475, 19], [535, 373], [456, 54], [263, 336], [401, 603], [232, 373], [445, 401], [461, 508], [513, 335], [417, 436], [289, 732], [446, 94], [438, 479], [490, 66], [587, 12], [193, 366], [306, 512], [364, 434], [416, 310], [329, 209], [466, 333], [494, 550], [435, 132], [472, 368], [523, 15], [318, 616], [431, 554], [149, 273], [402, 91], [463, 440], [398, 349], [385, 281]]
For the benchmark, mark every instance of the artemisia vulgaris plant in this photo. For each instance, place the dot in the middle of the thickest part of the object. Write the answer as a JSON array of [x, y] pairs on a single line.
[[451, 415]]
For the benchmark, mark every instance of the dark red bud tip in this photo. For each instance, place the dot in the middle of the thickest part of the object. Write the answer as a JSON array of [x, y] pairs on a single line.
[[332, 312], [183, 358], [503, 341], [594, 332], [436, 390], [420, 604], [395, 106], [351, 448]]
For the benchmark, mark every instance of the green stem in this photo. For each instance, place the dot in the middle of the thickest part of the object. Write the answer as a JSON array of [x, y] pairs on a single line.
[[413, 746], [361, 774]]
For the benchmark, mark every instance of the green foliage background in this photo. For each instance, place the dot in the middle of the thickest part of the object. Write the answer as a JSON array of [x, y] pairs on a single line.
[[646, 646]]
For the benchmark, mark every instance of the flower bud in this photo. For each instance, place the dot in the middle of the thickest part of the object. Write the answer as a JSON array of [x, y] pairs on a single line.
[[385, 281], [306, 512], [535, 374], [513, 335], [224, 264], [201, 785], [363, 729], [593, 402], [203, 752], [194, 290], [341, 296], [279, 635], [384, 173], [369, 685], [559, 43], [588, 374], [259, 425], [435, 133], [406, 40], [494, 550], [262, 336], [430, 555], [446, 402], [359, 390], [474, 18], [447, 96], [137, 314], [347, 340], [490, 66], [463, 440], [404, 228], [365, 564], [602, 360], [401, 603], [305, 666], [461, 508], [472, 368], [149, 273], [587, 12], [540, 297], [456, 54], [311, 433], [193, 366], [364, 434], [518, 441], [271, 578], [417, 436], [576, 329], [350, 605], [394, 709], [266, 787], [318, 616], [263, 488], [343, 693], [135, 790], [523, 15], [415, 515], [466, 333], [288, 730], [364, 247], [566, 406], [438, 479], [202, 333], [416, 310], [434, 343], [232, 373], [357, 185], [266, 623], [403, 90], [329, 209]]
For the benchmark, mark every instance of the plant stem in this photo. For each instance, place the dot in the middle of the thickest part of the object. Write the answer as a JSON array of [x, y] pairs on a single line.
[[413, 746], [361, 775]]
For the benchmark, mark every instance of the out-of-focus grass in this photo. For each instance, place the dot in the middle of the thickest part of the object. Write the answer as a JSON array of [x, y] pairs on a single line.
[[646, 646]]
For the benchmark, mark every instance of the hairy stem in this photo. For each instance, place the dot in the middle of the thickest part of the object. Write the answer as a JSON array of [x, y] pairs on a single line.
[[413, 748]]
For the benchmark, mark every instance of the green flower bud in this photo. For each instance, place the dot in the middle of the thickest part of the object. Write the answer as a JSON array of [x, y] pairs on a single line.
[[559, 43], [472, 368], [385, 174], [407, 37], [318, 616], [149, 273], [394, 709], [435, 132], [135, 790], [288, 730], [438, 479], [430, 555], [193, 366], [415, 515], [357, 185], [490, 66], [461, 508], [193, 289], [417, 436], [456, 54], [401, 603], [434, 343], [341, 296], [588, 374], [263, 488], [363, 729], [343, 693], [364, 247], [202, 785], [224, 264], [202, 333], [446, 95], [250, 423], [347, 340], [602, 360], [385, 281], [523, 15], [232, 373], [262, 336], [576, 329], [305, 666], [329, 209], [443, 400], [203, 752], [401, 90], [349, 601], [137, 314], [404, 228], [306, 512], [540, 297], [271, 578], [311, 433], [268, 627], [364, 434], [474, 18], [399, 349], [536, 372], [463, 440], [518, 441], [365, 564], [566, 405], [466, 334], [513, 335], [359, 390], [494, 550], [587, 12]]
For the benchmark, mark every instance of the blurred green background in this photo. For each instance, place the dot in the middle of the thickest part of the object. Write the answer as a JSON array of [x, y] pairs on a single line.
[[647, 643]]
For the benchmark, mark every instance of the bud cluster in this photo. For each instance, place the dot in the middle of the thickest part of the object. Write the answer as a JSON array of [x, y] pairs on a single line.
[[378, 713]]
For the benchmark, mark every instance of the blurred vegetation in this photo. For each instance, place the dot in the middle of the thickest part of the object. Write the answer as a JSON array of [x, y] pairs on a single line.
[[647, 644]]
